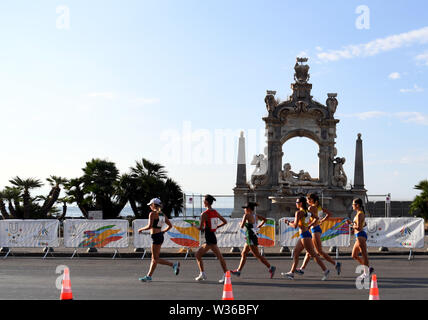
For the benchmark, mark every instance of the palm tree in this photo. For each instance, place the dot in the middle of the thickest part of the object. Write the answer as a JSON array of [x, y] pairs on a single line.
[[53, 196], [172, 198], [13, 197], [100, 188], [150, 180], [3, 210], [75, 194], [420, 203], [25, 186]]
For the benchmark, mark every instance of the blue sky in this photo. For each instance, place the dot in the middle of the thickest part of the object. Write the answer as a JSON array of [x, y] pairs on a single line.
[[122, 78]]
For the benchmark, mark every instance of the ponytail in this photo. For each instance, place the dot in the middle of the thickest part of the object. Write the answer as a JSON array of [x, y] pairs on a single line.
[[304, 203]]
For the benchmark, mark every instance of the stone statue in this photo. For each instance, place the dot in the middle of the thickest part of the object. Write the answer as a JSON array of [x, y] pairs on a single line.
[[332, 103], [339, 177], [270, 101], [288, 177], [305, 176], [259, 176]]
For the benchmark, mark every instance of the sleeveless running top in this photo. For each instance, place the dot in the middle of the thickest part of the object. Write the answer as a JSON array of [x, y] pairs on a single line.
[[158, 223], [364, 220], [212, 220], [252, 226], [320, 212], [305, 220]]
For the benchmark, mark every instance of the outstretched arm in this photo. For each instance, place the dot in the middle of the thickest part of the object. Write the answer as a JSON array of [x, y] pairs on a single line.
[[263, 221], [328, 214]]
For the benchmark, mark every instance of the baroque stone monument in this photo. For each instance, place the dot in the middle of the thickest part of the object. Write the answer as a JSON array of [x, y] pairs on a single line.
[[273, 184]]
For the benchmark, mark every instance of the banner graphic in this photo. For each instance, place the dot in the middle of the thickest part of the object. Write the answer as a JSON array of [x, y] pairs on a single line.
[[29, 233]]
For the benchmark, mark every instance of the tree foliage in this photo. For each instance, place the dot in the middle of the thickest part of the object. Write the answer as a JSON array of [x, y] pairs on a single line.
[[420, 203]]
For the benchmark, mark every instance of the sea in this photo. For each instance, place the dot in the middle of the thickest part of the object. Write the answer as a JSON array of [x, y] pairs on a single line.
[[74, 212]]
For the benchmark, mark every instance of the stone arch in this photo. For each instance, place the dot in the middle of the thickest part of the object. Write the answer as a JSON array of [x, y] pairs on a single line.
[[302, 153], [301, 132]]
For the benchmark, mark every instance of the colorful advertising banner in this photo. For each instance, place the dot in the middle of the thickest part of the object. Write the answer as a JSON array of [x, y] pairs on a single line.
[[95, 233], [183, 234], [266, 234], [335, 233], [395, 232], [29, 233]]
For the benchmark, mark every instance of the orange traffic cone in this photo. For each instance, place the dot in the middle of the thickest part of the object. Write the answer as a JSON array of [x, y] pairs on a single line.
[[374, 291], [66, 293], [227, 289]]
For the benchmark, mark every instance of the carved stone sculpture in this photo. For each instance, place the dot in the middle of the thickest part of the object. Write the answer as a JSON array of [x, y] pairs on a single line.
[[288, 177], [339, 177], [332, 103], [302, 71], [270, 101], [259, 176]]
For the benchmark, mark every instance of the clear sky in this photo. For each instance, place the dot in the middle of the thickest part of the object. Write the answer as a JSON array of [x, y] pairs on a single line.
[[171, 80]]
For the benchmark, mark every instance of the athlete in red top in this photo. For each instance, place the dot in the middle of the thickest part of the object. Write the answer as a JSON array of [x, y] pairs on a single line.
[[209, 223]]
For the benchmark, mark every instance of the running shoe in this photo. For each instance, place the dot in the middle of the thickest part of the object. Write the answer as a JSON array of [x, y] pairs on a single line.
[[338, 268], [176, 268], [272, 270], [222, 279], [145, 279], [201, 277], [236, 272], [326, 273], [300, 271], [288, 275]]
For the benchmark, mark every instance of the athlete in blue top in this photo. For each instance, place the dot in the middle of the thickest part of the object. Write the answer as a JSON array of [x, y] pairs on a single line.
[[301, 220]]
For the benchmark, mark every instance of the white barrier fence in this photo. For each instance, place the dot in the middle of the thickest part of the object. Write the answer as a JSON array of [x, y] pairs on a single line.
[[395, 232], [29, 233], [385, 232], [96, 234]]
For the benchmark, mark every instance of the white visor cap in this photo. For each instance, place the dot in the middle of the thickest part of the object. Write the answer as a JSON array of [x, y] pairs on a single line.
[[155, 201]]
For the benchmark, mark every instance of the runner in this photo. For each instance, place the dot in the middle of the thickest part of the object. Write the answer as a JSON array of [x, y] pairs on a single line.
[[360, 246], [209, 224], [315, 226], [301, 221], [155, 224], [248, 221]]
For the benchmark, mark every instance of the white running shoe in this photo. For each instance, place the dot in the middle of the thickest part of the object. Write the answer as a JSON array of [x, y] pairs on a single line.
[[288, 275], [202, 277], [326, 273], [222, 279]]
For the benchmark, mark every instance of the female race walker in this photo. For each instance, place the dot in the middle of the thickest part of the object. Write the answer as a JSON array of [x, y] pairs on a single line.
[[301, 220], [156, 221], [248, 221], [360, 246], [315, 226], [209, 223]]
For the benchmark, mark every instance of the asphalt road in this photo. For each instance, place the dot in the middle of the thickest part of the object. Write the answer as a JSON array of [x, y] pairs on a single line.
[[103, 278]]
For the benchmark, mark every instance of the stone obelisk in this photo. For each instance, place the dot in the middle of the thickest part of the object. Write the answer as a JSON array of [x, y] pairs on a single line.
[[241, 189], [359, 168]]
